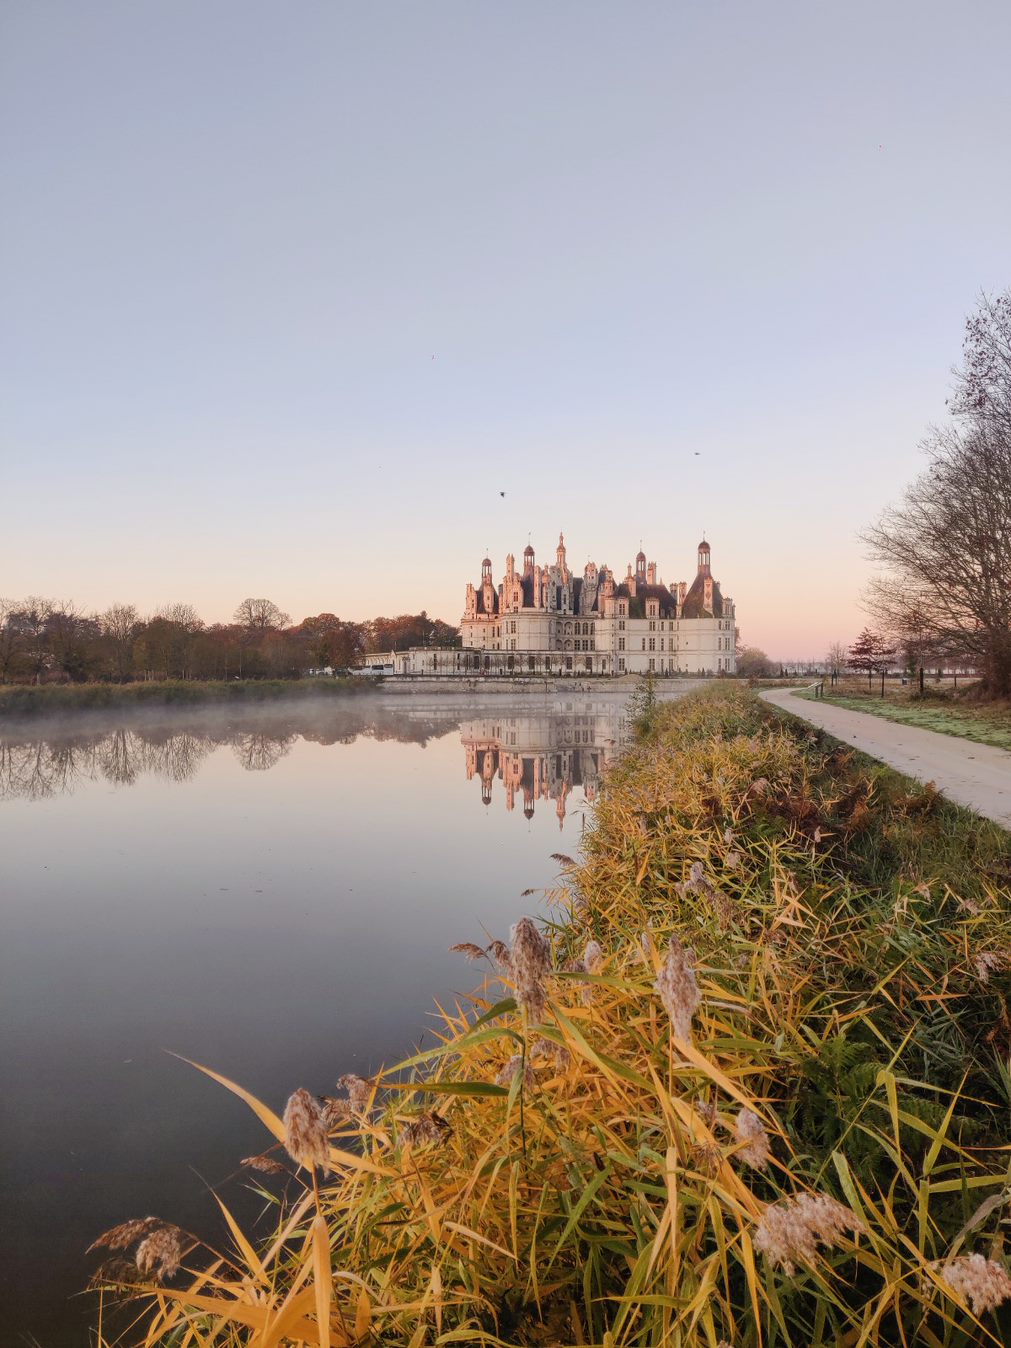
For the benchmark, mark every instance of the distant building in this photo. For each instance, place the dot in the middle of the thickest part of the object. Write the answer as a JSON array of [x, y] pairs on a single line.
[[547, 620]]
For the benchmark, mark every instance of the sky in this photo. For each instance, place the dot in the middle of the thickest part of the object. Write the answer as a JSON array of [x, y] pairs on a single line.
[[293, 293]]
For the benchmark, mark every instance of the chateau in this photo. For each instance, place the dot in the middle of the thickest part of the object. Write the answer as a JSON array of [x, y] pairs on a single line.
[[548, 620]]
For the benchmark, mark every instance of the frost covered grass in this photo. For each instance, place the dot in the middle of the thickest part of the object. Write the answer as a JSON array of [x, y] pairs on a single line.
[[967, 717], [748, 1086]]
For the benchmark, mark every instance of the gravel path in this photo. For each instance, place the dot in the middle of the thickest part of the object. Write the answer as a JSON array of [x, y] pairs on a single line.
[[976, 775]]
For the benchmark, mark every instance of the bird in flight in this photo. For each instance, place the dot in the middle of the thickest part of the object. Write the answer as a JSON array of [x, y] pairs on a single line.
[[501, 493]]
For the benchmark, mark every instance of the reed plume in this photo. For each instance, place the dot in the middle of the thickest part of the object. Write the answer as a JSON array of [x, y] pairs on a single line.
[[512, 1068], [529, 962], [161, 1252], [499, 952], [593, 957], [427, 1127], [982, 1282], [752, 1140], [359, 1091], [265, 1163], [547, 1048], [119, 1237], [335, 1111], [305, 1131], [678, 989], [989, 962], [790, 1231], [468, 948]]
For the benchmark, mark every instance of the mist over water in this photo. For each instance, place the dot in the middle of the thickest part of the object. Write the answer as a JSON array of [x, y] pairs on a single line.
[[269, 891]]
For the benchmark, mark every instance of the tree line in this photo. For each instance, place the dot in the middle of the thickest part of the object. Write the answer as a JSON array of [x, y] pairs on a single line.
[[45, 640]]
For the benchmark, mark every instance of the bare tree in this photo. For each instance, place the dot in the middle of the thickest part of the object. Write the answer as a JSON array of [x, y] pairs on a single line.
[[947, 550], [31, 620], [261, 615], [983, 382], [946, 546], [835, 658], [119, 626], [12, 637]]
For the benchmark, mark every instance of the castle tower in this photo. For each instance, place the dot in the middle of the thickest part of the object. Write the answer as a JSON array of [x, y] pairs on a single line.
[[528, 560], [640, 567], [704, 559]]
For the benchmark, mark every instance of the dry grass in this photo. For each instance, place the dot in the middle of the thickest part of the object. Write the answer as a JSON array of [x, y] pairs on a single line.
[[757, 1095]]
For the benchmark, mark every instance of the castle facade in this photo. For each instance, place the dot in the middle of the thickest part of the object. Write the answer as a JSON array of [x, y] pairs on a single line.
[[552, 620], [547, 620]]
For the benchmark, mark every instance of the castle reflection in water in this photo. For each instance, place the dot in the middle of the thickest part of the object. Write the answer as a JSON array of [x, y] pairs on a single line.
[[543, 756], [525, 755]]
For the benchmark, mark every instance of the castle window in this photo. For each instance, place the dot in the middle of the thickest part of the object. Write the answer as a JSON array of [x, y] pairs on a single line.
[[644, 643], [621, 644]]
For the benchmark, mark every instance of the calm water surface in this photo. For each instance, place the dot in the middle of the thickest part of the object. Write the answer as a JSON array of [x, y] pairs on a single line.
[[272, 894]]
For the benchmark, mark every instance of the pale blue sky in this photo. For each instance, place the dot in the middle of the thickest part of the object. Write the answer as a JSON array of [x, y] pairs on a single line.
[[234, 236]]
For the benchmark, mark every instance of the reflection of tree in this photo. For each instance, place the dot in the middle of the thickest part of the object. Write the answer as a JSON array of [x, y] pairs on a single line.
[[41, 761], [37, 769], [177, 757], [259, 752], [121, 756]]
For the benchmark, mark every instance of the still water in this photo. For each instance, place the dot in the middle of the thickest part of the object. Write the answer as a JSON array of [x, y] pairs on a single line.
[[272, 894]]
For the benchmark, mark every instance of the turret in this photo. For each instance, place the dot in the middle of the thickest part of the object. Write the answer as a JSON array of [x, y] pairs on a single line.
[[704, 558]]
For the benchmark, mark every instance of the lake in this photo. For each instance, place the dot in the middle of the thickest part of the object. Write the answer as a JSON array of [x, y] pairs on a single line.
[[271, 892]]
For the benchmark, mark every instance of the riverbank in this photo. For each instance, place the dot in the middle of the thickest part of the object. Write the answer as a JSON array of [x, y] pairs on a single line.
[[27, 700], [751, 1088]]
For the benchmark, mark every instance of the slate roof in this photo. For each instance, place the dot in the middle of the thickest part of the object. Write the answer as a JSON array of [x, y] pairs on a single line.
[[694, 605], [637, 605]]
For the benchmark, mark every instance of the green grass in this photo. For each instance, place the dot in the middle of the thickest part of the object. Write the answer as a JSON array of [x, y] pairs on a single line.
[[979, 722], [17, 700]]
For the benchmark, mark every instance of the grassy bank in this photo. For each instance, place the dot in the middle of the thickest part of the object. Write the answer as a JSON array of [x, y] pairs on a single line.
[[18, 700], [752, 1089], [986, 723]]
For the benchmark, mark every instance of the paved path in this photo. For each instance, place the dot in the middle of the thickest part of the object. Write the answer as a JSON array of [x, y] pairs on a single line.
[[977, 775]]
